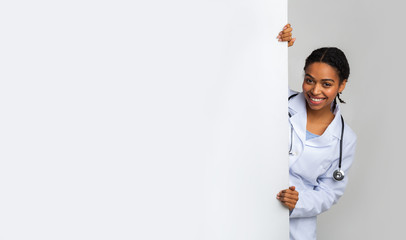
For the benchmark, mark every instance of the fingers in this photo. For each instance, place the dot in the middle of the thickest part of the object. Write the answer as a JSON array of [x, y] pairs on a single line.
[[290, 194], [290, 202], [288, 205], [288, 197], [290, 191], [291, 42], [286, 31], [286, 35]]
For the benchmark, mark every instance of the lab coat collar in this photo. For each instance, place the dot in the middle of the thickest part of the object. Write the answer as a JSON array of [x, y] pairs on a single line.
[[297, 108]]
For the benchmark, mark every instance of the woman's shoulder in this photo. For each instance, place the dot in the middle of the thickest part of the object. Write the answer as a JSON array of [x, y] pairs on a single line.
[[292, 92]]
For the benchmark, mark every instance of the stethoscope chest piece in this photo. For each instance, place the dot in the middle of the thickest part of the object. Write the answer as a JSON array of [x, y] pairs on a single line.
[[338, 175]]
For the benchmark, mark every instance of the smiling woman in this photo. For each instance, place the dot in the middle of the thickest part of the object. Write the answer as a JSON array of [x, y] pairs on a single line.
[[322, 146], [321, 85]]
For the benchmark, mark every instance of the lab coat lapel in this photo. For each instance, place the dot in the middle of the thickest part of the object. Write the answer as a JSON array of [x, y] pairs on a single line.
[[297, 108]]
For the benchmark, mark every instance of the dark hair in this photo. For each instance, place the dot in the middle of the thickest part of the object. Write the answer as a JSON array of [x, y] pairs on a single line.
[[333, 57]]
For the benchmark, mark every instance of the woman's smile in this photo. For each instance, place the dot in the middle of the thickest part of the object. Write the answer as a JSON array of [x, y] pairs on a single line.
[[315, 100]]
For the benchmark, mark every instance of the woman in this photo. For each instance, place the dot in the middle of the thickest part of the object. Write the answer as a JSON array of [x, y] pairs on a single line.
[[316, 132]]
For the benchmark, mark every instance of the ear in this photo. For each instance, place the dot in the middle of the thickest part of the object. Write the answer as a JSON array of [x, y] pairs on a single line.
[[342, 86]]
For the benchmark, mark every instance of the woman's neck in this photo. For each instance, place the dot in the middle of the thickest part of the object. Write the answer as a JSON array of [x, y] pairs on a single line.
[[318, 120], [324, 113]]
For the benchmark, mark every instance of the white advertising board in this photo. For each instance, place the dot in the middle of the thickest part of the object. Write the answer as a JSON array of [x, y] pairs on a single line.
[[143, 120]]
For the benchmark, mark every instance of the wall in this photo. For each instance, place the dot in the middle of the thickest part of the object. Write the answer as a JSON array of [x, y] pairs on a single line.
[[146, 120], [370, 34]]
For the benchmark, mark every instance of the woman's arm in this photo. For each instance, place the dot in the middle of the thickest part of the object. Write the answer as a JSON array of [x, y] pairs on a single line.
[[328, 191]]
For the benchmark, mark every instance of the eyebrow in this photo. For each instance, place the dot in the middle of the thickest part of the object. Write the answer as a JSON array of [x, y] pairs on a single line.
[[325, 79]]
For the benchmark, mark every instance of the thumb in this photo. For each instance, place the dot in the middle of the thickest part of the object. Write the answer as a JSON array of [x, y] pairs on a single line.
[[292, 188]]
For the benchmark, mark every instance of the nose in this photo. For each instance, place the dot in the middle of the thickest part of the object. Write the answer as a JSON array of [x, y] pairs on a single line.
[[316, 90]]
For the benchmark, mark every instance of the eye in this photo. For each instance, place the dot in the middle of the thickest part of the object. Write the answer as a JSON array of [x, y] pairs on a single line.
[[308, 80], [326, 84]]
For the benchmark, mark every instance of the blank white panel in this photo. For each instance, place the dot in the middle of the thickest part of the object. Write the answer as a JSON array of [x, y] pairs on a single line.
[[147, 120]]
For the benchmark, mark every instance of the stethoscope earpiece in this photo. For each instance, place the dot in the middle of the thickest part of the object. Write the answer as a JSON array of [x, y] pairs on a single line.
[[338, 175]]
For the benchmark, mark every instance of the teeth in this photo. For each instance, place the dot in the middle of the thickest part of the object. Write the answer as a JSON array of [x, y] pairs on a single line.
[[316, 99]]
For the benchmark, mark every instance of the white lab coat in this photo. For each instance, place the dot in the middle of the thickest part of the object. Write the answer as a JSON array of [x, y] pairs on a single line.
[[311, 168]]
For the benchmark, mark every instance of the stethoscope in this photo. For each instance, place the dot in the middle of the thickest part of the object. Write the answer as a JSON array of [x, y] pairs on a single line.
[[338, 174]]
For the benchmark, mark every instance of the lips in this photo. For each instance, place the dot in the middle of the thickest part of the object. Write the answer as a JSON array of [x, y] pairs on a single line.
[[315, 100]]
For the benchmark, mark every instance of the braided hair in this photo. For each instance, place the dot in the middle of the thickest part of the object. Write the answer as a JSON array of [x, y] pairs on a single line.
[[336, 59]]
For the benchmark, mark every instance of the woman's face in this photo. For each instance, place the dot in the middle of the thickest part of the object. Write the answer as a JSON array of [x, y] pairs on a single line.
[[321, 85]]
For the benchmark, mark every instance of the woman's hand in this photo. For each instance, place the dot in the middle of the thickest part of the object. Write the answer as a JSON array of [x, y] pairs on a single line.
[[286, 35], [288, 197]]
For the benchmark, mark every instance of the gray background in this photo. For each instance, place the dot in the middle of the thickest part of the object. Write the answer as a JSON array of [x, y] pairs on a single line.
[[371, 33]]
